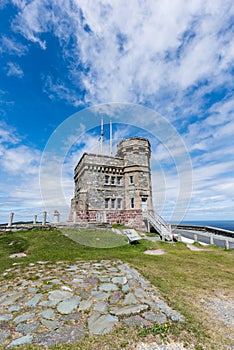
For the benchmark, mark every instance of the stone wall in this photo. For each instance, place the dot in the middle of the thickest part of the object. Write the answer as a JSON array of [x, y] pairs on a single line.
[[131, 218], [101, 182]]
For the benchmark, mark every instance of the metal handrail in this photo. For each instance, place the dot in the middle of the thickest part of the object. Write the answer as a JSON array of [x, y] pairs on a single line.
[[158, 222]]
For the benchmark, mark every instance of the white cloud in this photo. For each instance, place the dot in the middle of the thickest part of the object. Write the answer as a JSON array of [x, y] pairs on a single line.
[[172, 55], [59, 91], [19, 180], [13, 69], [12, 47], [133, 50]]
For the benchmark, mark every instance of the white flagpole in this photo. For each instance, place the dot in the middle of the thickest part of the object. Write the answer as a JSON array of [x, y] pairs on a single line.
[[111, 137]]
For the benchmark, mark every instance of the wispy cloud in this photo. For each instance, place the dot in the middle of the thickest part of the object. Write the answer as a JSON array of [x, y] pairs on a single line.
[[14, 70], [174, 56], [136, 52], [58, 90], [12, 47]]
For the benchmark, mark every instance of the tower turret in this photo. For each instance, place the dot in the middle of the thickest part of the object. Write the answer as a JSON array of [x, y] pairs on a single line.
[[136, 153]]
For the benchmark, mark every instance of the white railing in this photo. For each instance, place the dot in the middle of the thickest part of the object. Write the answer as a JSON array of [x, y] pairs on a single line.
[[159, 224]]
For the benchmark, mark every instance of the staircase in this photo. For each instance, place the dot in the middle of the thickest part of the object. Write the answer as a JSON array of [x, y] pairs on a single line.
[[159, 224]]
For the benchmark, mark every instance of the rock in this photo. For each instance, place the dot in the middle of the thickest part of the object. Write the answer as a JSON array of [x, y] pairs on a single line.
[[27, 339], [14, 308], [101, 324], [128, 310], [3, 336], [137, 321], [100, 295], [32, 290], [51, 325], [119, 280], [126, 288], [116, 296], [48, 314], [55, 281], [7, 299], [66, 288], [5, 317], [33, 302], [27, 328], [85, 305], [68, 305], [100, 307], [130, 299], [132, 283], [49, 303], [65, 334], [157, 318], [59, 295], [17, 255], [104, 279], [77, 316], [108, 287], [113, 269], [92, 280], [23, 318], [140, 293], [72, 268]]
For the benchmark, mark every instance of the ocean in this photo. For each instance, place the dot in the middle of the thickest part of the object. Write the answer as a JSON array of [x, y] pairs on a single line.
[[226, 225]]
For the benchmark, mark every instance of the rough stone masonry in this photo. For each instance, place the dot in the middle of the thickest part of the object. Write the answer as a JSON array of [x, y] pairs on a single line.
[[114, 189], [56, 303]]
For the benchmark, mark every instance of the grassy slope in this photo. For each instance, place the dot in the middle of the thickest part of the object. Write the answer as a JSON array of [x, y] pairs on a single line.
[[184, 278]]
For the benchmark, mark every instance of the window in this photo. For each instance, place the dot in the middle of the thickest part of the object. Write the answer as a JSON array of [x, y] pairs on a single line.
[[119, 202], [131, 180], [118, 180], [112, 180], [132, 203], [106, 179], [113, 203], [106, 203]]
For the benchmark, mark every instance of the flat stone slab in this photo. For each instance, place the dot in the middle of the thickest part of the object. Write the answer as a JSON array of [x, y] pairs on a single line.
[[137, 321], [48, 314], [27, 339], [68, 305], [3, 336], [108, 287], [17, 255], [59, 295], [101, 324], [128, 310], [155, 252], [82, 298]]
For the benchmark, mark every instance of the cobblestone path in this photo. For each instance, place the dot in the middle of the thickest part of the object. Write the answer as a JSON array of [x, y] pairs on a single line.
[[48, 304]]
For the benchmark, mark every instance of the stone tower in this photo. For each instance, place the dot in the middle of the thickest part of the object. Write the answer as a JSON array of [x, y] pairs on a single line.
[[135, 153], [114, 189]]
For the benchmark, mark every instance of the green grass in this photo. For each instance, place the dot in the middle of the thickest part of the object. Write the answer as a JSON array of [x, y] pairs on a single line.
[[184, 278], [96, 238]]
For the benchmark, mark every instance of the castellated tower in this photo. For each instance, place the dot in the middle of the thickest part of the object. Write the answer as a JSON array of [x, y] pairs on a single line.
[[135, 153], [114, 189]]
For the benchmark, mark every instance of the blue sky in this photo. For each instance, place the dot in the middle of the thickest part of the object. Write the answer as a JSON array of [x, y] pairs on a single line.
[[174, 57]]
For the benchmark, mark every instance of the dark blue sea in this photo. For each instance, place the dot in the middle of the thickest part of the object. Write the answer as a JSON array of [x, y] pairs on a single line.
[[226, 225]]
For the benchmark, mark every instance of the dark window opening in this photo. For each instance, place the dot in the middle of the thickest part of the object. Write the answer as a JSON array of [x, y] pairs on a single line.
[[106, 203], [113, 203]]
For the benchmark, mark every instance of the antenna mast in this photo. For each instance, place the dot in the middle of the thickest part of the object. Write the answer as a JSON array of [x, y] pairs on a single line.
[[101, 136], [110, 137]]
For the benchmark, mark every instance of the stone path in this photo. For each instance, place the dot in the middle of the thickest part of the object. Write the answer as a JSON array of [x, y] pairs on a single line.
[[48, 304]]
